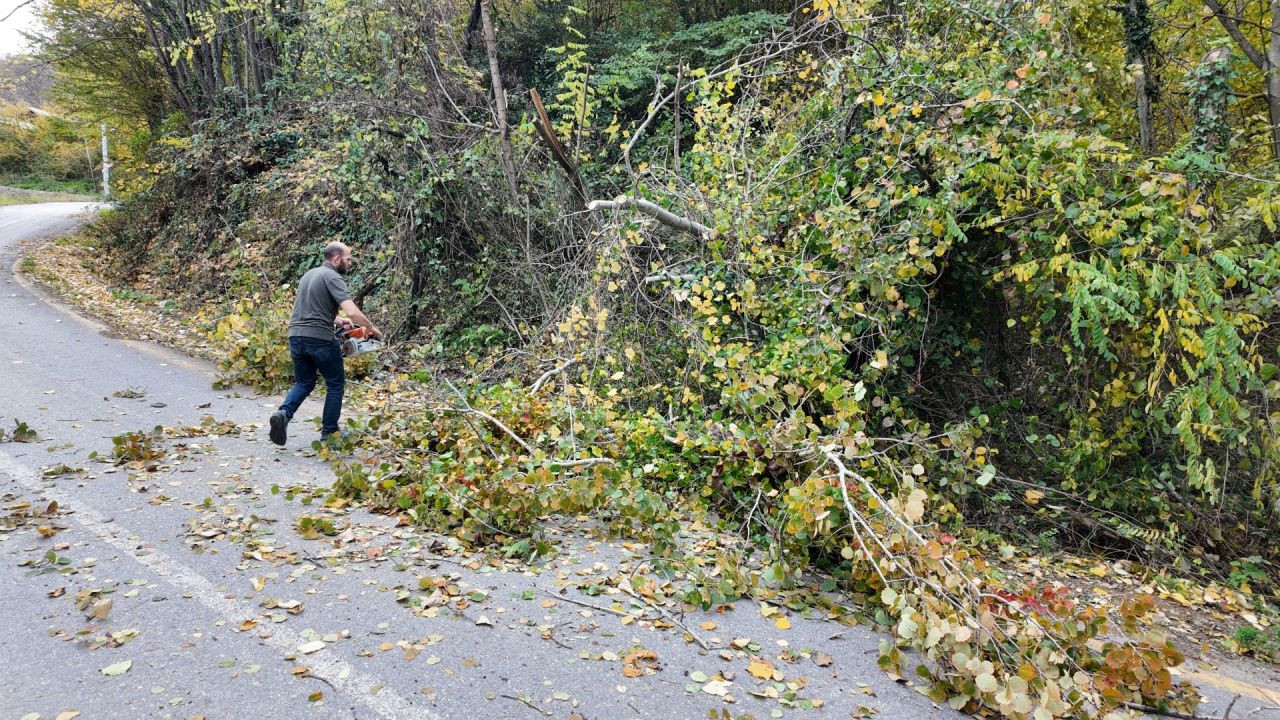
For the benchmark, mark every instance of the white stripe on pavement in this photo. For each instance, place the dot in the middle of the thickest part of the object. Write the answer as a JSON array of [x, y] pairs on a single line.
[[323, 664]]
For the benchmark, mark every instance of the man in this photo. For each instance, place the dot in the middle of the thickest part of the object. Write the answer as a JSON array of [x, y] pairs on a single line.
[[312, 343]]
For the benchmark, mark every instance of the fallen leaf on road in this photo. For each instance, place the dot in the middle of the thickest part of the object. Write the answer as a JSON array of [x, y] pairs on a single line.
[[632, 662], [719, 688], [119, 668]]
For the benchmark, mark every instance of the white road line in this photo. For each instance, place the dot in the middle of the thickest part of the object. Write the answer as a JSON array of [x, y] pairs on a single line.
[[323, 664]]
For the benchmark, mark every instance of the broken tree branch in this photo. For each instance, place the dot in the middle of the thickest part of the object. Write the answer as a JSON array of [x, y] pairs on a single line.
[[1151, 710], [543, 123], [661, 214], [497, 423], [670, 618], [547, 375]]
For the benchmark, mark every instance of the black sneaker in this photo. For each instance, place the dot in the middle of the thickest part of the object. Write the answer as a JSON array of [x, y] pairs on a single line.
[[279, 421]]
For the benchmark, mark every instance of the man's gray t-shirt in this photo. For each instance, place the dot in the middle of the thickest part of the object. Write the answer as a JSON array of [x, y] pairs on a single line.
[[320, 292]]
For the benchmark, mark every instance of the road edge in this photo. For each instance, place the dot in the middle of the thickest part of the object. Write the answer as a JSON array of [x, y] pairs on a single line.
[[47, 296]]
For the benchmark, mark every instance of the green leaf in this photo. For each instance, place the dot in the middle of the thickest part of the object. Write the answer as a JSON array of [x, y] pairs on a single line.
[[988, 473], [119, 668]]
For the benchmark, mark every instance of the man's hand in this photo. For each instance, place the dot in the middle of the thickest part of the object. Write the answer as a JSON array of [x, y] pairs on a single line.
[[343, 323], [353, 312]]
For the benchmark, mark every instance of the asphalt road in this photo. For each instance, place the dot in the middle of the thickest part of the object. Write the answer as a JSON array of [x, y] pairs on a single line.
[[223, 610]]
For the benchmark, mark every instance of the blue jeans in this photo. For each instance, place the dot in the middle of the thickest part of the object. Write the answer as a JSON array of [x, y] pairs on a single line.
[[310, 355]]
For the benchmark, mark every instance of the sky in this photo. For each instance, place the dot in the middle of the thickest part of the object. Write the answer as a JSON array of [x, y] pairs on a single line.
[[11, 41]]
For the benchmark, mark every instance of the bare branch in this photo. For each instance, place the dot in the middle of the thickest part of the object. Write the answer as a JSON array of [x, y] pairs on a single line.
[[661, 214], [547, 375], [16, 9], [1230, 24], [497, 423]]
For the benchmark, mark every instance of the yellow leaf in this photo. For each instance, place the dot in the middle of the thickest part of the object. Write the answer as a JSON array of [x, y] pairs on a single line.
[[1034, 496], [983, 96], [782, 623], [760, 669]]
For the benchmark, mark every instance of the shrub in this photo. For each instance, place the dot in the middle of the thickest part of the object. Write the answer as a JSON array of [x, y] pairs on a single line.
[[254, 339]]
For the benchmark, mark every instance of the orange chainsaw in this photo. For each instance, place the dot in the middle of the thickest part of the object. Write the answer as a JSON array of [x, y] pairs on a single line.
[[355, 341]]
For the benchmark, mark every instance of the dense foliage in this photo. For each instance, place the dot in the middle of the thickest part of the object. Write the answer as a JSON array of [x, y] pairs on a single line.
[[922, 271], [42, 152]]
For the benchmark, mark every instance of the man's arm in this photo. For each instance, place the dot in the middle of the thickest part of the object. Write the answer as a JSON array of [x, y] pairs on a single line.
[[353, 312]]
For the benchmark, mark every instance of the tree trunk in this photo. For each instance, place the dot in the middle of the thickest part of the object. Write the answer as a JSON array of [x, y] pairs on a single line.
[[1209, 94], [499, 95], [676, 131], [1273, 79], [1146, 122], [1138, 47]]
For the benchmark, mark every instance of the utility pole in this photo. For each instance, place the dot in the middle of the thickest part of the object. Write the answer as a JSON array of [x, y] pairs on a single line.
[[106, 165]]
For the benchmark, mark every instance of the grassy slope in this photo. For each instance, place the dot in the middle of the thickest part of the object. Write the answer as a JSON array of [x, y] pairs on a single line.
[[23, 196]]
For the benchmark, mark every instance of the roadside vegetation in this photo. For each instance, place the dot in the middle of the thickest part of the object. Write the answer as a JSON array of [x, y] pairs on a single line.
[[880, 290]]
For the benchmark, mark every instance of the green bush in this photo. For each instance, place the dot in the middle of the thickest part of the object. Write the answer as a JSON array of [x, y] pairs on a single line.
[[1261, 644], [255, 343]]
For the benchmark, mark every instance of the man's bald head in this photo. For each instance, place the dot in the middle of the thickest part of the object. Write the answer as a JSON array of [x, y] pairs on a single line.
[[339, 256], [335, 249]]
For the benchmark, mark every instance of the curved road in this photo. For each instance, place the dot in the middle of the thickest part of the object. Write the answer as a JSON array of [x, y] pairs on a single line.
[[220, 609]]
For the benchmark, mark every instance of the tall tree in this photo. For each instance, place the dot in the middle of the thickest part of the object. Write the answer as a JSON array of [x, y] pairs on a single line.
[[1266, 60], [214, 54], [1139, 48], [499, 95], [102, 55]]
